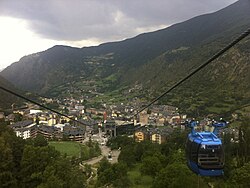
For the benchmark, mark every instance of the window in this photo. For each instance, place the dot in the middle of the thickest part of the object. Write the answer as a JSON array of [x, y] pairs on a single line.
[[192, 150], [211, 157]]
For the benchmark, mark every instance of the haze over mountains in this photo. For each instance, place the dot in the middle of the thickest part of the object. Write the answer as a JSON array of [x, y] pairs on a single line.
[[154, 60]]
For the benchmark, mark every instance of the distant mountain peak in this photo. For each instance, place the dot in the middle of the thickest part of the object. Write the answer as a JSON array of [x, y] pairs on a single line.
[[151, 59]]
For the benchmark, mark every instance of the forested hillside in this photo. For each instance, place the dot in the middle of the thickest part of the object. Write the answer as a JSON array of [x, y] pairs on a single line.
[[154, 61], [6, 100]]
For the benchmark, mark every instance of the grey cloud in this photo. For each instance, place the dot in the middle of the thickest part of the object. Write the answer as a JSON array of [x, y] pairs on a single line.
[[103, 19]]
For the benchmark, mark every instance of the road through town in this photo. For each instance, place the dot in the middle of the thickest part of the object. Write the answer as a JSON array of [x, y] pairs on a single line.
[[105, 152]]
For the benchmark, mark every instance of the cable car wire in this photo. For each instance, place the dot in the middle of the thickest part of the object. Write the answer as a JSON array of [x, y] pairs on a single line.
[[218, 54], [41, 105], [222, 51]]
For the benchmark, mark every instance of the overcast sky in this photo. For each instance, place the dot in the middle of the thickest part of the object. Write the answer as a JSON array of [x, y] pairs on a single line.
[[29, 26]]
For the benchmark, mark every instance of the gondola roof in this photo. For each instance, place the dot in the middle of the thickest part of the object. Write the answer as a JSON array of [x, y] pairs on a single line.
[[207, 138]]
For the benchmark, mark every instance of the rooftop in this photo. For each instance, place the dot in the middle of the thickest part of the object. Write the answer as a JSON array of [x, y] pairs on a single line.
[[22, 124]]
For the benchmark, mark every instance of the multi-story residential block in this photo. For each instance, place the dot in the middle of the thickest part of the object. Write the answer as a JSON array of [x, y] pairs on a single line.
[[51, 121], [155, 135], [74, 133], [140, 136], [158, 137], [49, 132], [25, 129]]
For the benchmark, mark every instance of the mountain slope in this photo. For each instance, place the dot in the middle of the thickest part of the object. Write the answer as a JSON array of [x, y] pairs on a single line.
[[155, 60], [220, 87], [205, 28], [6, 99]]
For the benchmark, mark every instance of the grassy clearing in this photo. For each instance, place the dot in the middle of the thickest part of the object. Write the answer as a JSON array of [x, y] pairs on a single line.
[[69, 148], [138, 180]]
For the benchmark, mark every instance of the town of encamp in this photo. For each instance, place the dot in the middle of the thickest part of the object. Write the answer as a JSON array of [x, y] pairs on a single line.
[[113, 120]]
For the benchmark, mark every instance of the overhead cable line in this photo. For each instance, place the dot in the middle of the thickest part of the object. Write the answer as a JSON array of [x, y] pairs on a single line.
[[242, 36], [218, 54], [41, 105]]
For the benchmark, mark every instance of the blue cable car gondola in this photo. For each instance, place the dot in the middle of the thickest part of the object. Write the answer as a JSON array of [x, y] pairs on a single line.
[[205, 155]]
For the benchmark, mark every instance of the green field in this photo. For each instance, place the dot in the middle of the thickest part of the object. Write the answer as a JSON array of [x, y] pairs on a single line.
[[69, 148]]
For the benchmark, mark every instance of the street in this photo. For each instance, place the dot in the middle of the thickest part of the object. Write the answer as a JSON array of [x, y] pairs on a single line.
[[105, 151]]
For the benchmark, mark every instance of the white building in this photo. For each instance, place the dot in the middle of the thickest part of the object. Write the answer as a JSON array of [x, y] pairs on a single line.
[[24, 129], [35, 111]]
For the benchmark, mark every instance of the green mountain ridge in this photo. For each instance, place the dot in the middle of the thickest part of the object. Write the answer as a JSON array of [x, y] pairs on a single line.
[[154, 60]]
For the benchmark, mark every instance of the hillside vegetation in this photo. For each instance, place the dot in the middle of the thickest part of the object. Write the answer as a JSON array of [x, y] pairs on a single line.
[[154, 61], [6, 100]]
